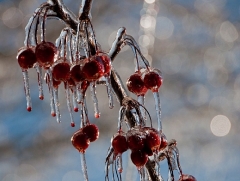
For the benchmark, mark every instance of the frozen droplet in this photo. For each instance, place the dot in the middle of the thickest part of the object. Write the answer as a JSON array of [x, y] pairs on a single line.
[[49, 80], [84, 166], [69, 105], [156, 96], [27, 90], [56, 101], [109, 91], [119, 163], [40, 81], [74, 99], [94, 98]]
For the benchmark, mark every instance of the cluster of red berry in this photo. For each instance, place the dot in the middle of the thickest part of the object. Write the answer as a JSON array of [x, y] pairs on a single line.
[[141, 81], [82, 137], [142, 141]]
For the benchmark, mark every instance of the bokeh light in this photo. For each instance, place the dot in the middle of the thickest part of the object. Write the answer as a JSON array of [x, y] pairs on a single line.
[[220, 125]]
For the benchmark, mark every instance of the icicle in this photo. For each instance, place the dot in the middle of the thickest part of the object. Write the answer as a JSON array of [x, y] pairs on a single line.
[[119, 163], [120, 117], [27, 90], [142, 174], [80, 96], [141, 100], [84, 166], [69, 105], [50, 86], [94, 98], [56, 101], [170, 169], [109, 92], [40, 81], [158, 109], [175, 149], [74, 98], [133, 111]]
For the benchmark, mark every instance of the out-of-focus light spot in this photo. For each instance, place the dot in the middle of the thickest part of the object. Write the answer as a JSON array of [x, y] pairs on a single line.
[[171, 64], [221, 43], [12, 17], [214, 58], [197, 94], [144, 40], [147, 21], [218, 77], [220, 125], [73, 176], [164, 29], [228, 32], [11, 177], [27, 172], [149, 1]]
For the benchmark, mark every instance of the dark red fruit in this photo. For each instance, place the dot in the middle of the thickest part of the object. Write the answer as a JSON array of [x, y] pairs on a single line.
[[56, 83], [72, 124], [164, 142], [80, 141], [135, 141], [93, 70], [26, 58], [106, 61], [45, 53], [136, 85], [76, 73], [139, 158], [92, 132], [119, 144], [187, 178], [152, 81], [61, 71], [29, 109], [71, 82], [153, 141]]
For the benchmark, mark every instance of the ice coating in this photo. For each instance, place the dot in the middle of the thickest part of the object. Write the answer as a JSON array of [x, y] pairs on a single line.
[[27, 90], [109, 92], [69, 105], [40, 81], [50, 87], [95, 100], [158, 109]]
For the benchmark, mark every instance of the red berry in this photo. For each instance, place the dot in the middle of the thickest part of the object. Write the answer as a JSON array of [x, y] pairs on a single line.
[[152, 81], [136, 85], [61, 71], [164, 142], [76, 73], [45, 53], [153, 140], [135, 141], [92, 132], [93, 70], [119, 144], [26, 58], [106, 61], [72, 124], [71, 82], [80, 141], [139, 158], [187, 178]]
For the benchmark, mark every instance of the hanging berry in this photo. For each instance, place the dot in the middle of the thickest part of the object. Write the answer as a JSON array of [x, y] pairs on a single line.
[[26, 58], [119, 143]]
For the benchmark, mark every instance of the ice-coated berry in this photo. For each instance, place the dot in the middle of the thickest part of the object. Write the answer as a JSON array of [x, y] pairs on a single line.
[[187, 178], [106, 61], [153, 81], [164, 142], [45, 53], [61, 71], [139, 158], [153, 141], [119, 144], [80, 141], [135, 141], [76, 73], [26, 58], [92, 132], [93, 70], [136, 85]]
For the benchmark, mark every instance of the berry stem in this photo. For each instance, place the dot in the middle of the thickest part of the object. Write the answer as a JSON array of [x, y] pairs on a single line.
[[141, 100]]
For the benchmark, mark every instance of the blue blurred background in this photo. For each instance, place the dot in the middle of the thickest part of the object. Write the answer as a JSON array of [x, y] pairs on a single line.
[[196, 45]]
